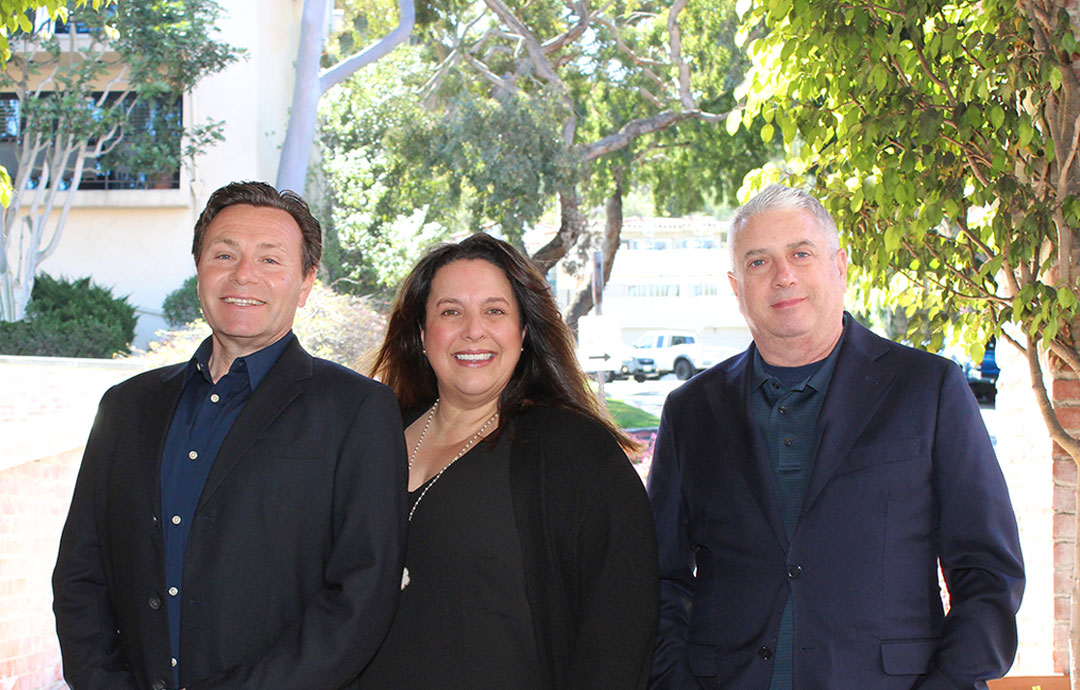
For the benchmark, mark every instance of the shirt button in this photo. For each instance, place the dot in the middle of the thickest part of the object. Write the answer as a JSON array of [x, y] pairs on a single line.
[[176, 519], [154, 602], [214, 397], [787, 440], [153, 519], [193, 455], [794, 571], [172, 661], [764, 653], [173, 591], [783, 409]]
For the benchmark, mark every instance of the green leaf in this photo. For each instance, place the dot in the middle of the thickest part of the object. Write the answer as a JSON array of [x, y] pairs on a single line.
[[1055, 77], [767, 131], [734, 120], [1026, 132], [997, 116], [1066, 297], [892, 238]]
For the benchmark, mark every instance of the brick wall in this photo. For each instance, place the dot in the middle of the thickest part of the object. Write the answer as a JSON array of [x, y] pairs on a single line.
[[1066, 398], [46, 408], [34, 499]]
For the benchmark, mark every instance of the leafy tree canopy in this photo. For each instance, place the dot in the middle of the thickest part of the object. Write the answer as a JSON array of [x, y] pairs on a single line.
[[499, 109]]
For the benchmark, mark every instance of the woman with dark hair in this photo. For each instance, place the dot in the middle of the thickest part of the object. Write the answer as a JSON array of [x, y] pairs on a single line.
[[531, 558]]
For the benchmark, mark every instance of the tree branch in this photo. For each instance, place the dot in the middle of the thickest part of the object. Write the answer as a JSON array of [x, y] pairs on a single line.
[[630, 131], [675, 41]]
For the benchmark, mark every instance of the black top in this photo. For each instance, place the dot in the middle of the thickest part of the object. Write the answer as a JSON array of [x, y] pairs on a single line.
[[463, 620]]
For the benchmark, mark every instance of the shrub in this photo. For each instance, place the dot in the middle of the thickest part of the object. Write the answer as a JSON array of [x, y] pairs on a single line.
[[71, 319], [181, 306], [342, 328]]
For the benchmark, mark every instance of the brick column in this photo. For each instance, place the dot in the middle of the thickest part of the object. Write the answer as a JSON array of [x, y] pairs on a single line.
[[1066, 398], [34, 499]]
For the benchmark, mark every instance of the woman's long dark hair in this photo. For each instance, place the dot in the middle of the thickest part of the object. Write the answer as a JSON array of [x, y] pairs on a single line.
[[547, 372]]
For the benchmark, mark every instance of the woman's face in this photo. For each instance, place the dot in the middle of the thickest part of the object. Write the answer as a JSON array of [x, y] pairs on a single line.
[[472, 331]]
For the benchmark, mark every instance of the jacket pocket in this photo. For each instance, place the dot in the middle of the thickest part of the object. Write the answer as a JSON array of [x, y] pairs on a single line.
[[907, 657], [896, 450], [702, 660]]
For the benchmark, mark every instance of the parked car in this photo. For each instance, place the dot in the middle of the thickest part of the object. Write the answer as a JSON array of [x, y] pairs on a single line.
[[662, 352], [616, 362], [982, 377]]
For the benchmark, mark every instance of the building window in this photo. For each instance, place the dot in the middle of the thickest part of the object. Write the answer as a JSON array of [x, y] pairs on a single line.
[[705, 289], [653, 290], [120, 168]]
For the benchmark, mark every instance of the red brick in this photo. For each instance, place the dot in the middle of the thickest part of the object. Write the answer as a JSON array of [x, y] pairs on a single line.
[[1063, 581], [1061, 608], [1068, 416], [1064, 526], [1061, 659], [1063, 555], [1064, 498], [1065, 389], [1065, 470]]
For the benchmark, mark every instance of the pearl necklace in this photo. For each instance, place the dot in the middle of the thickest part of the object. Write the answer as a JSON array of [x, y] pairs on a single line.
[[412, 458]]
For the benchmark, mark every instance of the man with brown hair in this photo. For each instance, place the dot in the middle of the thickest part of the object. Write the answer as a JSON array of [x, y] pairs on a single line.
[[238, 520]]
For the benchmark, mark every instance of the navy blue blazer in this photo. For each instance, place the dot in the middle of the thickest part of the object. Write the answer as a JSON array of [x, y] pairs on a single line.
[[293, 566], [905, 476]]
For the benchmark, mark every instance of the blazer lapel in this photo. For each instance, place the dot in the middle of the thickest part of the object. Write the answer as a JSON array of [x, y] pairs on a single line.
[[858, 387], [269, 400], [155, 417], [744, 446]]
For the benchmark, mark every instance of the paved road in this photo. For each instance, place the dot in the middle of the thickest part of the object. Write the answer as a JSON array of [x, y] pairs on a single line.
[[647, 395]]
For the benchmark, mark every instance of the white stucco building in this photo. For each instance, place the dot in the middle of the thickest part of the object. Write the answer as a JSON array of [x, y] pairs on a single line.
[[138, 241]]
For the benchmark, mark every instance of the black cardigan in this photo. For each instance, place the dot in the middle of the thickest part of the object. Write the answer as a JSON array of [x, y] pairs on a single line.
[[589, 550]]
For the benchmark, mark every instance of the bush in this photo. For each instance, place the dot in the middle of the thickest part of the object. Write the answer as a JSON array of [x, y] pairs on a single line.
[[181, 306], [342, 328], [71, 319]]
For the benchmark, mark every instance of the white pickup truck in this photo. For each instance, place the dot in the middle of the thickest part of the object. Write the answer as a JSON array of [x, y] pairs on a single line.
[[661, 352]]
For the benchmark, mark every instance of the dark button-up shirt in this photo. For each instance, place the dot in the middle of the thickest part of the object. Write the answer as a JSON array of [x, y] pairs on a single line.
[[784, 405], [203, 417]]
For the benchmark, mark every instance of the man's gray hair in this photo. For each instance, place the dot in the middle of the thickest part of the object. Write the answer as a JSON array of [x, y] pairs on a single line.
[[780, 197]]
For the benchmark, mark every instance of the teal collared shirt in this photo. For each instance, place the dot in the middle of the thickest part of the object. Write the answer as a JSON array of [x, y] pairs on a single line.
[[784, 406]]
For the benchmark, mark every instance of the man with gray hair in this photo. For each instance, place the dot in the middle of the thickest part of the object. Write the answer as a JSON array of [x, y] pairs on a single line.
[[806, 490]]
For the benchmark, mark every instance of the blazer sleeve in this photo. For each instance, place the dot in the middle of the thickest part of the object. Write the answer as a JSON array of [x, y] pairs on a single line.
[[617, 576], [979, 547], [670, 665], [343, 624], [85, 624]]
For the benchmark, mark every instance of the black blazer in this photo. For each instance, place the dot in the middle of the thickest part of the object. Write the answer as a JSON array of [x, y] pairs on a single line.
[[293, 566], [905, 475], [589, 552]]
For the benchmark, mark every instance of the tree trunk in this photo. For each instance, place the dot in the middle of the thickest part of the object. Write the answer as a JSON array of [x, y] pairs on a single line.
[[309, 85], [571, 224], [296, 149], [613, 212]]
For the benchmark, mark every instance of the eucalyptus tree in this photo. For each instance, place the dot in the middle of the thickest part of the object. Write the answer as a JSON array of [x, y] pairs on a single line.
[[506, 110]]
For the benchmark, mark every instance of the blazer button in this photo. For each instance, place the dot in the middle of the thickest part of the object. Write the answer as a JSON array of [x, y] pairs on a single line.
[[794, 571], [154, 602], [765, 653], [158, 685]]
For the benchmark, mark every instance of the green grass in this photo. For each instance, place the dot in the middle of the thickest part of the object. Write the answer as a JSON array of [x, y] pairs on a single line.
[[630, 417]]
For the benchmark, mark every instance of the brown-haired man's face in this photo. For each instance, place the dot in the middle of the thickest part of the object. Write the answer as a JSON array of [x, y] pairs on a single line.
[[251, 277]]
